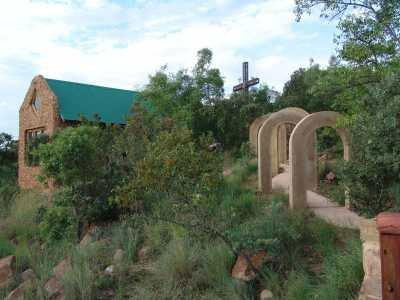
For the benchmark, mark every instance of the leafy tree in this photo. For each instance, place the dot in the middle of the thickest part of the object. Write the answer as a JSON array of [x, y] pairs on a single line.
[[196, 101], [370, 29], [373, 172], [8, 171], [303, 90], [77, 160], [8, 149]]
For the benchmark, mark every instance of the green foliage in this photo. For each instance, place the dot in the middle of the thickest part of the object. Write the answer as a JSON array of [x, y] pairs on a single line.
[[73, 156], [21, 222], [6, 247], [8, 172], [299, 91], [195, 101], [343, 274], [78, 160], [174, 167], [33, 143], [58, 223], [373, 171], [370, 29]]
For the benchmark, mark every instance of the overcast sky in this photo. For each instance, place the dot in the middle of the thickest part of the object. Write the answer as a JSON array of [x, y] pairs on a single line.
[[118, 43]]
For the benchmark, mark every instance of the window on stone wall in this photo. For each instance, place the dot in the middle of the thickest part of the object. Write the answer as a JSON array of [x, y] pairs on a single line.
[[33, 138], [36, 103]]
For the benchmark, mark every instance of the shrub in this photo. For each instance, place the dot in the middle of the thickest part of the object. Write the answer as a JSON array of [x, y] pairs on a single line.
[[374, 169], [343, 273], [58, 223], [75, 160], [21, 223], [175, 167]]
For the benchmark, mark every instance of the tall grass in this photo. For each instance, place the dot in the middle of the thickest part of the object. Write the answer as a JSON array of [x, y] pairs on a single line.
[[21, 222]]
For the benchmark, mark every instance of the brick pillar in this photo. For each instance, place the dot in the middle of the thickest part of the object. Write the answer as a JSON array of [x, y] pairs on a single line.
[[371, 287], [389, 234]]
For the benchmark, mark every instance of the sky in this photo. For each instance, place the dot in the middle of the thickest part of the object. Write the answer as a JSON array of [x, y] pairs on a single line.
[[119, 43]]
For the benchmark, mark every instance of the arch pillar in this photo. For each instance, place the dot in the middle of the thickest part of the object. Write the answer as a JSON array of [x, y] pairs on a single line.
[[254, 130], [300, 154], [267, 146]]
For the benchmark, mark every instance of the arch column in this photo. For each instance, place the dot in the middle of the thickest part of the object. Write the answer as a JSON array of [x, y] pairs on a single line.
[[300, 154], [267, 148], [254, 130]]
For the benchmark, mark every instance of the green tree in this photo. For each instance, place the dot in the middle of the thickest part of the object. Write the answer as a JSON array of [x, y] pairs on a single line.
[[78, 161], [370, 29]]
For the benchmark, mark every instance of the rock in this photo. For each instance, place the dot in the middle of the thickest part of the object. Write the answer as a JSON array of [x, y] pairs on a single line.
[[28, 275], [118, 256], [19, 292], [7, 269], [266, 294], [242, 270], [63, 267], [144, 253], [89, 237], [330, 176], [215, 146], [54, 288], [109, 270], [323, 158]]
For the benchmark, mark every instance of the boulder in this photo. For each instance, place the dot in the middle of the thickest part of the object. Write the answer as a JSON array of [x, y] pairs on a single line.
[[89, 237], [109, 270], [144, 253], [54, 288], [63, 267], [330, 176], [19, 292], [215, 147], [118, 256], [242, 269], [266, 295], [7, 269], [28, 275]]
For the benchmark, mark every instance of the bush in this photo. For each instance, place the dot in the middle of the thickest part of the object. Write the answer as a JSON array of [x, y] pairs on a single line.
[[22, 223], [175, 168], [373, 171], [75, 160], [58, 223]]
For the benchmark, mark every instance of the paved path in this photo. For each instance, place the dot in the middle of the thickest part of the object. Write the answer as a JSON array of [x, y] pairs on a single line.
[[322, 206]]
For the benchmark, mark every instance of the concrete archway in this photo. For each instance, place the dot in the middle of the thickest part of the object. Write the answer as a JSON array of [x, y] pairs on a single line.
[[299, 157], [254, 130], [267, 153]]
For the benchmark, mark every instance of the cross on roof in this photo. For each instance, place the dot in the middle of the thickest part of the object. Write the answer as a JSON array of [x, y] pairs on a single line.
[[244, 86]]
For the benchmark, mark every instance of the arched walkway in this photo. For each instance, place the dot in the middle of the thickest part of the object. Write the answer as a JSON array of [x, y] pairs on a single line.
[[253, 131], [267, 154], [299, 157]]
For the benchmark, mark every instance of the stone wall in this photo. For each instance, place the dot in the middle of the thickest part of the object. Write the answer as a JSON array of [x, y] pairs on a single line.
[[371, 287], [46, 118]]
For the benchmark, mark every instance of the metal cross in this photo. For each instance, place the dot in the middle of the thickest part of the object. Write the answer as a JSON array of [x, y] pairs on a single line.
[[244, 86]]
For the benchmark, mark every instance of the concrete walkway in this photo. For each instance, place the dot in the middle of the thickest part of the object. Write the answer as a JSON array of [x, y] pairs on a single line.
[[322, 206]]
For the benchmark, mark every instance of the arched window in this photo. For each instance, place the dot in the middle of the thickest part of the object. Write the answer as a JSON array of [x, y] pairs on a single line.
[[36, 103]]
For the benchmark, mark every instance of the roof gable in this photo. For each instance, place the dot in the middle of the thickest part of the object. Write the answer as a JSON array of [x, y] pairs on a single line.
[[77, 99]]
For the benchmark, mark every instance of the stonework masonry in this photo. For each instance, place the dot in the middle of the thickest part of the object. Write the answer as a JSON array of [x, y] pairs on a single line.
[[302, 162], [46, 118], [268, 152], [371, 288]]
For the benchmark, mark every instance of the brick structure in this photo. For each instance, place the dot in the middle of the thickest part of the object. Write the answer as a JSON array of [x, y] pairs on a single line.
[[51, 105], [42, 118]]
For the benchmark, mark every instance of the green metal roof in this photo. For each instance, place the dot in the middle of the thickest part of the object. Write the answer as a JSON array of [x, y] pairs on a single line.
[[77, 99]]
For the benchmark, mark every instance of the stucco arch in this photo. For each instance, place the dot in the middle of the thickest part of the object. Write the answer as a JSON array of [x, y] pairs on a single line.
[[299, 156], [253, 131], [267, 156]]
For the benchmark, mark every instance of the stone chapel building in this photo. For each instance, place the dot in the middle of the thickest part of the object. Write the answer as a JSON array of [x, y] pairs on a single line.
[[50, 105]]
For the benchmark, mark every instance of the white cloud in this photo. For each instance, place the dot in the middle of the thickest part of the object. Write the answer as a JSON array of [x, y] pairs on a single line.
[[101, 42]]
